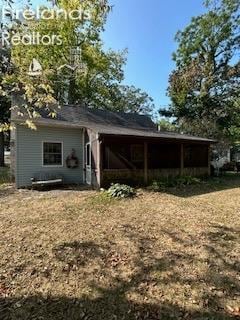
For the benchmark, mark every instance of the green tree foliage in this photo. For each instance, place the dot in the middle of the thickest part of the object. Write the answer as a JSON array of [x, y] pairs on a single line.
[[5, 102], [167, 125], [205, 86], [95, 76], [46, 90], [126, 98]]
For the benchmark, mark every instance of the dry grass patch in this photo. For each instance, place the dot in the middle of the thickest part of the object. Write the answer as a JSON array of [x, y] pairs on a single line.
[[80, 255]]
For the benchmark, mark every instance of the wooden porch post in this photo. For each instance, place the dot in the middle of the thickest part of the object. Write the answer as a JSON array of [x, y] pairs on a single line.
[[209, 160], [145, 162], [182, 160]]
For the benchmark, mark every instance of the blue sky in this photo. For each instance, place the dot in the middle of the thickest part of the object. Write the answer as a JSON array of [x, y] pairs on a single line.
[[147, 28]]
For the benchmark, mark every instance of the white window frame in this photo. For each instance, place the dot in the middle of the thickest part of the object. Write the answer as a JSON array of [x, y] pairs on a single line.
[[54, 165]]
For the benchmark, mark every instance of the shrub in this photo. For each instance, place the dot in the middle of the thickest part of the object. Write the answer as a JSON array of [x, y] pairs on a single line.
[[157, 186], [187, 180], [170, 182], [120, 191]]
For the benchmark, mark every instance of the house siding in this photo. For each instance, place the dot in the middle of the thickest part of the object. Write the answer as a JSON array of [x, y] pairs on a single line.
[[28, 146]]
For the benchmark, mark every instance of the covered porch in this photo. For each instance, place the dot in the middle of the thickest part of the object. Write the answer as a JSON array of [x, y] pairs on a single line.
[[140, 160]]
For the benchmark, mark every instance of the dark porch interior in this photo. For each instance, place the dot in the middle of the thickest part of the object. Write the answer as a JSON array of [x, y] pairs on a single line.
[[138, 160], [160, 156]]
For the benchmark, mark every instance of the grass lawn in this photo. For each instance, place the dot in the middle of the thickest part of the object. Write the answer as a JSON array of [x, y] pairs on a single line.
[[78, 255]]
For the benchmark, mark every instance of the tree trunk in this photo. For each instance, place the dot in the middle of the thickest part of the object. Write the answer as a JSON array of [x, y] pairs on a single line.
[[1, 149]]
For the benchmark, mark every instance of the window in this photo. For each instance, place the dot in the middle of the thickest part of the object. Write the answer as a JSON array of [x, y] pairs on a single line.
[[52, 154], [88, 154]]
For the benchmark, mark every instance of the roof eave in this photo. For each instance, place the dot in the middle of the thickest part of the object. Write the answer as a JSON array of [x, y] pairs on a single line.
[[206, 141], [50, 123]]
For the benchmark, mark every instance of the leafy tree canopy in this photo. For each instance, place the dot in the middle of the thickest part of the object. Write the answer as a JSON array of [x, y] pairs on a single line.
[[205, 86], [78, 70], [167, 125]]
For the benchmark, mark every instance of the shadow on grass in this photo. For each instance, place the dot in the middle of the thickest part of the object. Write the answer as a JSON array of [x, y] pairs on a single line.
[[226, 182], [7, 190], [78, 253], [62, 187], [113, 301], [104, 308]]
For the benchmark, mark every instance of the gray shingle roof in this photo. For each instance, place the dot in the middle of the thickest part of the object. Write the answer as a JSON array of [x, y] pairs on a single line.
[[119, 131], [110, 123], [78, 114]]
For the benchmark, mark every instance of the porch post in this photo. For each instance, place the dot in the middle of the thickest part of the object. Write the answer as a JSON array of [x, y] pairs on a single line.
[[182, 160], [145, 162], [209, 160]]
